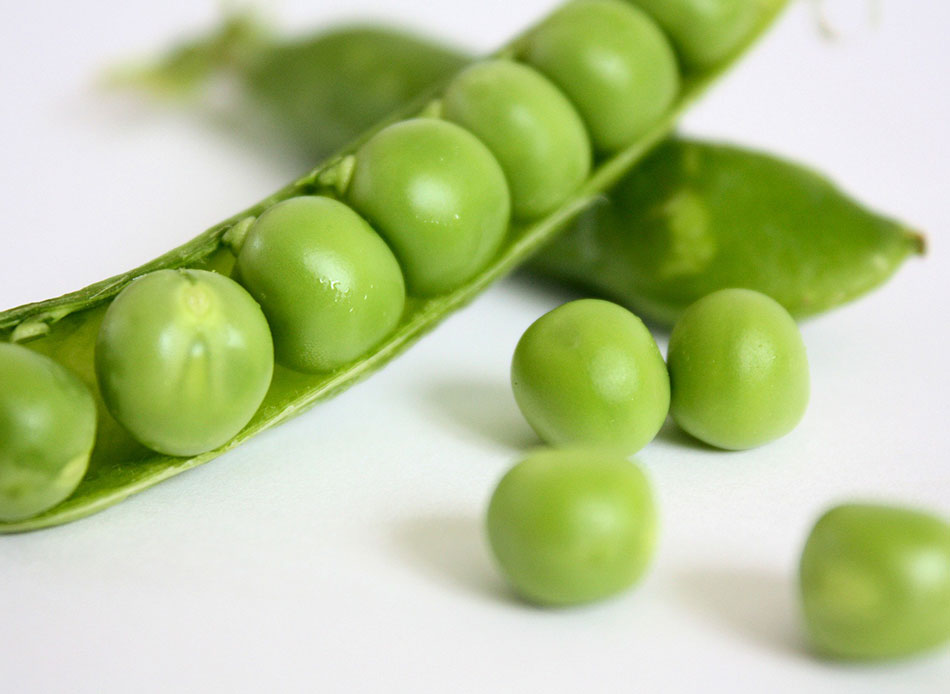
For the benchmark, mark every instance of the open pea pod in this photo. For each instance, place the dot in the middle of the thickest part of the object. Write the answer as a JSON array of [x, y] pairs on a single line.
[[696, 217], [66, 328]]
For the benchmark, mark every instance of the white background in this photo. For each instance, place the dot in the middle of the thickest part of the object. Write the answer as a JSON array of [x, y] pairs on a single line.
[[343, 551]]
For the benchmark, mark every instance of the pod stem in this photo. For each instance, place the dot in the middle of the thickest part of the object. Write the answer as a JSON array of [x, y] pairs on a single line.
[[234, 237], [232, 46]]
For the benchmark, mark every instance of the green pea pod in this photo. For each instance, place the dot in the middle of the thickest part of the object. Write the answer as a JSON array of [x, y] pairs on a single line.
[[697, 217], [674, 230], [66, 328]]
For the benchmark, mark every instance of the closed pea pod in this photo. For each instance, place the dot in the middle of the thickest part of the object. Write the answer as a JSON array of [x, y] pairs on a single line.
[[738, 370], [530, 127], [590, 373], [572, 525], [330, 287], [47, 431], [705, 32], [875, 582], [184, 359], [612, 61], [437, 195]]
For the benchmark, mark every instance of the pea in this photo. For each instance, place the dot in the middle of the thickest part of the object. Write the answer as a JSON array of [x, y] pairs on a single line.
[[184, 359], [530, 127], [47, 431], [738, 370], [589, 372], [572, 525], [613, 62], [705, 32], [437, 195], [330, 287], [875, 582]]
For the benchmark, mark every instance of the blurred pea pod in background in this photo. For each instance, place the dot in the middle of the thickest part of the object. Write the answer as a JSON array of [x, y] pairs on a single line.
[[693, 218]]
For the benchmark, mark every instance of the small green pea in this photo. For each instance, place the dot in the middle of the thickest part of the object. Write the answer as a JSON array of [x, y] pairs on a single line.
[[438, 197], [47, 431], [589, 372], [184, 359], [705, 32], [572, 525], [529, 125], [875, 582], [738, 370], [612, 61], [330, 287]]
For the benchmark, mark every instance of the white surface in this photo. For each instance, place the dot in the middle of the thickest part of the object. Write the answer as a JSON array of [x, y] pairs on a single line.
[[342, 551]]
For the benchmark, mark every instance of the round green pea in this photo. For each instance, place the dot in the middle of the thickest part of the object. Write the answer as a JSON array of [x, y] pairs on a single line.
[[875, 582], [47, 431], [437, 195], [184, 359], [590, 373], [572, 525], [612, 61], [705, 32], [329, 285], [738, 370], [530, 127]]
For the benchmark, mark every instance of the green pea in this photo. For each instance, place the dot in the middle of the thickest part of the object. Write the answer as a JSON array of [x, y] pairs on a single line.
[[705, 32], [184, 359], [613, 62], [875, 582], [47, 431], [572, 525], [589, 372], [437, 195], [330, 287], [738, 370], [529, 125]]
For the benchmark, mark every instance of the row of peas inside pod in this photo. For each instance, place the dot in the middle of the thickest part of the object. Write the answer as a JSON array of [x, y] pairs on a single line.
[[184, 357], [578, 522]]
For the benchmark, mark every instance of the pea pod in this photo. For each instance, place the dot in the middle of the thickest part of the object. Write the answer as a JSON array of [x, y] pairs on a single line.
[[66, 328], [693, 218], [697, 217]]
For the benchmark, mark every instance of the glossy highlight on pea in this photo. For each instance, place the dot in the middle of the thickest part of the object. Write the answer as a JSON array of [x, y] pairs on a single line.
[[571, 526]]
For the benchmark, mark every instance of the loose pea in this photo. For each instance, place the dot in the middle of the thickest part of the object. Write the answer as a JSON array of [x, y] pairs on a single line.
[[613, 62], [47, 431], [875, 582], [738, 370], [330, 287], [572, 525], [705, 32], [437, 195], [184, 359], [530, 127], [589, 372]]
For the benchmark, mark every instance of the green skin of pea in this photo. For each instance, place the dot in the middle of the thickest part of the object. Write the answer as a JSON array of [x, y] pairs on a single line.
[[437, 195], [875, 582], [571, 526], [613, 62], [329, 285], [531, 128], [184, 359], [738, 370], [47, 431], [705, 32], [590, 373]]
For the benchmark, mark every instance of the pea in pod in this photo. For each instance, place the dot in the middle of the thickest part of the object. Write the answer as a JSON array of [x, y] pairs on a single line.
[[66, 328], [693, 218]]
